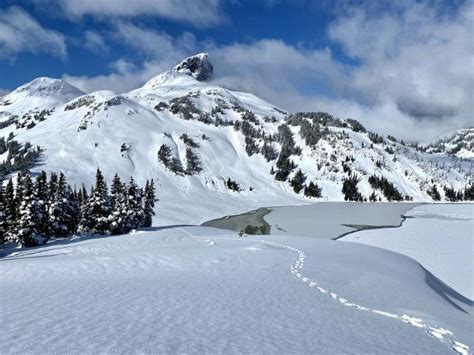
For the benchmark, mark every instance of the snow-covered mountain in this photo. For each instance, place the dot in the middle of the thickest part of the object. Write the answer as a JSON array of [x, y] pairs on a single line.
[[226, 151], [459, 143]]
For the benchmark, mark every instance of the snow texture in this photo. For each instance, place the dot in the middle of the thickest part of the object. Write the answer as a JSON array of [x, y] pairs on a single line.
[[440, 237], [204, 290]]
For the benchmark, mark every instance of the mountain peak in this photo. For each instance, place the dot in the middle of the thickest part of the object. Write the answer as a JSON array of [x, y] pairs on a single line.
[[45, 86], [199, 66]]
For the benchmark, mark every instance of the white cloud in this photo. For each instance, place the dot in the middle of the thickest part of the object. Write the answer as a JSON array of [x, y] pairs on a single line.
[[196, 12], [19, 32], [420, 60], [3, 92], [95, 43]]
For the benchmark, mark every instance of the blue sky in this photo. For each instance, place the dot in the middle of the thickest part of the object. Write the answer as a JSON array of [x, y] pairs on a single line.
[[386, 63], [295, 22]]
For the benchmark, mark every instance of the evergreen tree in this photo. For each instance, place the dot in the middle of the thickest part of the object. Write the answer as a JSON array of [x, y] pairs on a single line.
[[41, 193], [373, 197], [3, 225], [53, 183], [469, 192], [193, 164], [350, 189], [74, 209], [298, 181], [64, 212], [118, 199], [28, 218], [82, 195], [96, 210], [134, 216], [450, 194], [149, 203], [434, 193], [164, 155], [312, 190], [251, 146], [268, 151], [10, 210]]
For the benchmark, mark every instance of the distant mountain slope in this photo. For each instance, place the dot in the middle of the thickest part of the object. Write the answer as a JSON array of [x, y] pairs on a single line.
[[222, 151], [459, 143]]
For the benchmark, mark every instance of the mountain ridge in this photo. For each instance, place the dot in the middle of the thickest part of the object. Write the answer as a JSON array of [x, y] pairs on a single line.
[[236, 137]]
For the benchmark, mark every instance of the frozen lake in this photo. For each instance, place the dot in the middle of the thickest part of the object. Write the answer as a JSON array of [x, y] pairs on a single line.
[[439, 236], [326, 220]]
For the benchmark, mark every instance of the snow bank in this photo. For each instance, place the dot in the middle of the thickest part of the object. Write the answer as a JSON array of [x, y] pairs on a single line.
[[440, 237]]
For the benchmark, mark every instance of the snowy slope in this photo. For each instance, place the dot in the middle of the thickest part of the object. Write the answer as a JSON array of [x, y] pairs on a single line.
[[201, 290], [440, 237], [123, 132], [459, 143]]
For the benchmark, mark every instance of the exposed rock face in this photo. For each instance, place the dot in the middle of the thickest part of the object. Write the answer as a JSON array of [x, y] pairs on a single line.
[[199, 65]]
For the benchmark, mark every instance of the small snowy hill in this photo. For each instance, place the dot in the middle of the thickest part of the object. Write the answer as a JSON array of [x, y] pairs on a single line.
[[459, 143], [245, 151]]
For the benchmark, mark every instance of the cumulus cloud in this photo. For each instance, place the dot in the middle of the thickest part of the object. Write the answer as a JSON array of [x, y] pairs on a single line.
[[414, 68], [95, 42], [163, 50], [3, 92], [19, 32], [419, 58], [196, 12]]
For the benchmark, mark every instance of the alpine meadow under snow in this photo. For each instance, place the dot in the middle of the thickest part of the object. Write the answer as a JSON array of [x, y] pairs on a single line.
[[103, 193]]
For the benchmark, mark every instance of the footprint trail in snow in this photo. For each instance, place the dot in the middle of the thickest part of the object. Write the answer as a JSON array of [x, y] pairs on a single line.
[[443, 335]]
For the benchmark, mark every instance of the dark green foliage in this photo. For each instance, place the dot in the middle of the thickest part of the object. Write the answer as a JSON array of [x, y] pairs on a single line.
[[149, 200], [434, 193], [356, 125], [184, 107], [251, 146], [10, 209], [312, 190], [28, 219], [42, 193], [388, 189], [172, 163], [312, 133], [250, 116], [284, 164], [254, 230], [32, 213], [285, 167], [373, 197], [19, 158], [375, 138], [268, 152], [232, 185], [469, 192], [350, 189], [96, 210], [450, 194], [193, 164], [164, 155], [297, 182], [321, 118], [161, 106], [188, 141], [176, 166]]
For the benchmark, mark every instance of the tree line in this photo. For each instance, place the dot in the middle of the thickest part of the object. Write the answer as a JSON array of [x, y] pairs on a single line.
[[34, 210]]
